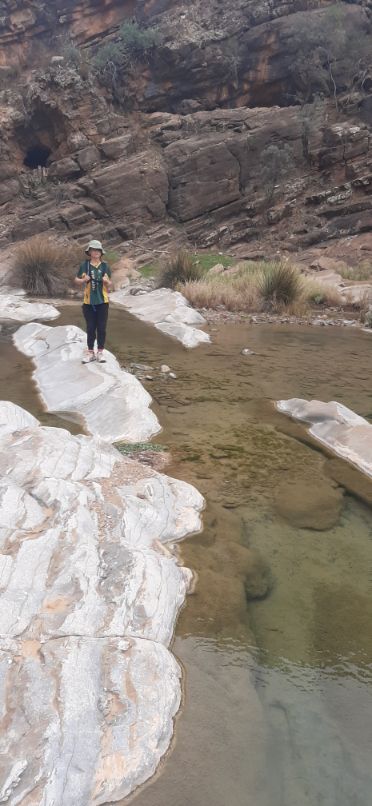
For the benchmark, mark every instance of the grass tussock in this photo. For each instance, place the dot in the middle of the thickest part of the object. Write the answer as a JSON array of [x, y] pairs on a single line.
[[247, 286], [279, 285], [358, 273], [237, 293], [252, 287], [179, 269], [321, 294], [45, 267]]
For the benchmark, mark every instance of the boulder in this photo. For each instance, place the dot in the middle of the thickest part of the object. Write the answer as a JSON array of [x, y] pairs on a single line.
[[88, 158], [118, 147], [66, 168], [309, 504]]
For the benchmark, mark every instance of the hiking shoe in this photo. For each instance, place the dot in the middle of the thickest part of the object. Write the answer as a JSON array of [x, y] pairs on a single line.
[[89, 357], [100, 357]]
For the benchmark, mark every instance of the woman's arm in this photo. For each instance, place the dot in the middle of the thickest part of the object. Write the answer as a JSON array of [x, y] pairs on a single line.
[[106, 279], [81, 280]]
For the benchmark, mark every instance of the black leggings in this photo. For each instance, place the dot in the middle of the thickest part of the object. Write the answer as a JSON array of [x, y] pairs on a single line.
[[96, 320]]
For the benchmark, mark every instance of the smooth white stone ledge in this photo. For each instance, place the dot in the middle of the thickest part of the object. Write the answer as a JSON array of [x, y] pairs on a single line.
[[338, 428], [110, 402], [14, 308], [169, 311], [89, 595]]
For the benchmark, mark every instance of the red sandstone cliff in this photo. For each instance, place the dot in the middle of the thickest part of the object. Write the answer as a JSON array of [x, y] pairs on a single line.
[[183, 152]]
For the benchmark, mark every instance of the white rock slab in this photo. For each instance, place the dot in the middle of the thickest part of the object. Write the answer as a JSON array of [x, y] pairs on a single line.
[[335, 426], [169, 311], [89, 596], [110, 402], [14, 308], [92, 718]]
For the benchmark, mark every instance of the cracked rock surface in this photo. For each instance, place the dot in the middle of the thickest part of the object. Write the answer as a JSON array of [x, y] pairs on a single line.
[[89, 594], [110, 402]]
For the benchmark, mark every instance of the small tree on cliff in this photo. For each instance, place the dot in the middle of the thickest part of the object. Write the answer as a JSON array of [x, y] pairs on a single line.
[[113, 61], [330, 54]]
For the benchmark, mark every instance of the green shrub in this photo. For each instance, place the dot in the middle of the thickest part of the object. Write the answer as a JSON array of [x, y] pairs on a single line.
[[113, 59], [111, 53], [71, 53], [178, 270], [279, 285], [138, 40], [45, 267]]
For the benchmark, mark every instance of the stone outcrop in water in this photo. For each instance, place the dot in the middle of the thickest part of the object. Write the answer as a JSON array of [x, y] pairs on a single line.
[[169, 311], [338, 428], [14, 308], [89, 594], [110, 402]]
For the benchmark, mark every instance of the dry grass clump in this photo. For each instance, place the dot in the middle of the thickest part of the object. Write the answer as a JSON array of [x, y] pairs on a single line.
[[279, 285], [254, 287], [233, 293], [179, 269], [45, 267], [358, 273], [319, 294]]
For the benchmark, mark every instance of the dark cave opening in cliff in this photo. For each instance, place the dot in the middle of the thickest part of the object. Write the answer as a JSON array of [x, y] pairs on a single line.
[[37, 157]]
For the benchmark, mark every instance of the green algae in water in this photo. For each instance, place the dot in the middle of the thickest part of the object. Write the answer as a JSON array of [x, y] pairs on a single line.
[[138, 447]]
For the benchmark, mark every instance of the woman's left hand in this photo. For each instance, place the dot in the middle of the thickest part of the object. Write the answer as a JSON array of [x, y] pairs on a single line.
[[106, 280]]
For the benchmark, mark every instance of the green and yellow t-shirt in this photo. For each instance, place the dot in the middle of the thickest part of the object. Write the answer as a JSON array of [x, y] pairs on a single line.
[[95, 292]]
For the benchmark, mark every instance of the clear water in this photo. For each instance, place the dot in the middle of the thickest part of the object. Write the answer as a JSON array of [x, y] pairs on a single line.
[[277, 704]]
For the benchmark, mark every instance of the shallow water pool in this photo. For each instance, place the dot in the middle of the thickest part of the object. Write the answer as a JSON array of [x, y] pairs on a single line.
[[277, 704]]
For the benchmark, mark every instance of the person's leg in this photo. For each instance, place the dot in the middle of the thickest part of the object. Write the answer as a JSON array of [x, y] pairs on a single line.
[[91, 323], [102, 315]]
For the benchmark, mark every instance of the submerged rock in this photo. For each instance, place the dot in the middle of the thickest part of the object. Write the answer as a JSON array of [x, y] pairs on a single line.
[[88, 603], [258, 580], [308, 504], [110, 402]]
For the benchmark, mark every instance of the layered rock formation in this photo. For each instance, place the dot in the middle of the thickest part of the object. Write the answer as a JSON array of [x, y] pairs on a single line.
[[89, 594], [110, 402], [173, 159], [14, 308], [169, 311], [336, 427]]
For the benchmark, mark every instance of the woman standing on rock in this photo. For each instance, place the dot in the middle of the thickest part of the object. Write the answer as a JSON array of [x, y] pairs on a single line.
[[95, 274]]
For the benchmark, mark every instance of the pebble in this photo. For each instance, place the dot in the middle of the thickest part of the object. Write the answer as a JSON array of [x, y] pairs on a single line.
[[247, 351], [173, 375], [164, 368]]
